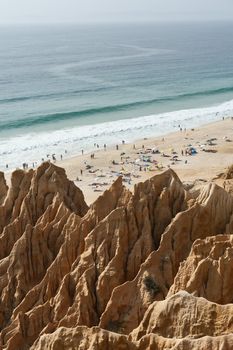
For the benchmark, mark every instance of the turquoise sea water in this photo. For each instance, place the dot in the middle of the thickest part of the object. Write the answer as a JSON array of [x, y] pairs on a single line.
[[68, 87]]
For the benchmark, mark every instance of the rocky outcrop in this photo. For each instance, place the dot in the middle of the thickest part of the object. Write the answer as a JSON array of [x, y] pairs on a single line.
[[208, 270], [3, 188], [228, 174], [34, 224], [78, 277], [83, 338], [183, 315], [225, 180], [210, 215], [29, 196]]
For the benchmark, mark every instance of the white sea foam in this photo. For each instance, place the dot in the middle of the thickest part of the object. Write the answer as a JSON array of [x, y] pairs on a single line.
[[35, 146]]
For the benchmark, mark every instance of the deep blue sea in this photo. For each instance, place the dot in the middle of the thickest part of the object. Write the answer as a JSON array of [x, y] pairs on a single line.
[[68, 87]]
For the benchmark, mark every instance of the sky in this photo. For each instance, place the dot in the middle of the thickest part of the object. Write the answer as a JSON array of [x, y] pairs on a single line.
[[79, 11]]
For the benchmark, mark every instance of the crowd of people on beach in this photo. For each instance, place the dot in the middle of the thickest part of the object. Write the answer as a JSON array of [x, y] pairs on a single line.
[[130, 167], [131, 163], [144, 159], [140, 164]]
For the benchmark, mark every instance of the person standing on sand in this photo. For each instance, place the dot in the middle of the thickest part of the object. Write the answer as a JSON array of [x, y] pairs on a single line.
[[81, 171]]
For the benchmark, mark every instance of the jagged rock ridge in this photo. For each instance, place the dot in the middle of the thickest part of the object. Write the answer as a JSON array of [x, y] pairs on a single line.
[[111, 275]]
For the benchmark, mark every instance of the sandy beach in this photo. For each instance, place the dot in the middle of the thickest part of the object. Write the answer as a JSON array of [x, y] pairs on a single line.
[[200, 153]]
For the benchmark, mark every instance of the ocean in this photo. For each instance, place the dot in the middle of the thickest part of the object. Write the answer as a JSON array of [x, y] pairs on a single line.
[[64, 88]]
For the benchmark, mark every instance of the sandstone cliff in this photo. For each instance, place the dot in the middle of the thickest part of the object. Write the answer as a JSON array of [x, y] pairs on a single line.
[[110, 276], [208, 270]]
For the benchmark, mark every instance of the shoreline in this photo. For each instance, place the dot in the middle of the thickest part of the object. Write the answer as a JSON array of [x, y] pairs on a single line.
[[138, 164], [32, 148]]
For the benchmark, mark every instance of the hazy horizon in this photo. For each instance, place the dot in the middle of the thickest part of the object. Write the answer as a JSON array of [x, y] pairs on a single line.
[[107, 11]]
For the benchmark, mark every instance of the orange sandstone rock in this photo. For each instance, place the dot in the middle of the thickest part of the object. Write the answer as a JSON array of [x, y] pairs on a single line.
[[77, 277]]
